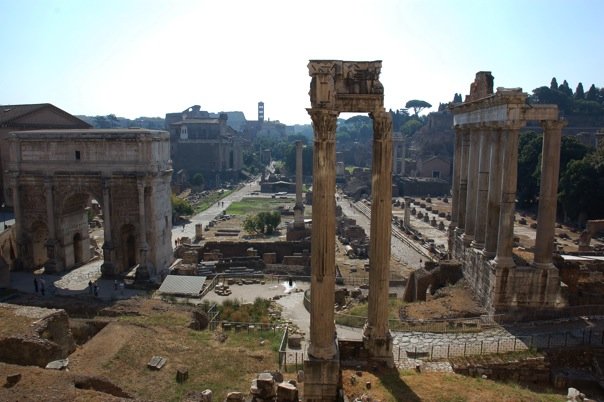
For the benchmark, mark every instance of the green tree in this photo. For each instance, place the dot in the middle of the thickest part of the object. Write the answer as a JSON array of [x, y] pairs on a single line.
[[198, 179], [579, 92], [180, 206], [262, 223], [411, 126], [592, 93], [565, 89], [417, 105], [529, 154], [553, 84]]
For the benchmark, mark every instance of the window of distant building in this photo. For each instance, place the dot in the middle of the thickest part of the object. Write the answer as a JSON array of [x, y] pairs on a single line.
[[77, 155], [436, 174], [184, 135]]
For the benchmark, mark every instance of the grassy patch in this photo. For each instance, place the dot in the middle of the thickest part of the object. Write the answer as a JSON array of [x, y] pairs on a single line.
[[357, 315], [210, 199], [253, 205]]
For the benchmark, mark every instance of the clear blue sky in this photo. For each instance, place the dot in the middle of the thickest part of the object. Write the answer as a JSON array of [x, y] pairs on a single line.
[[146, 58]]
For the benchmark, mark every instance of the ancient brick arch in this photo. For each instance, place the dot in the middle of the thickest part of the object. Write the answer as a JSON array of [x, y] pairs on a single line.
[[55, 174], [346, 86]]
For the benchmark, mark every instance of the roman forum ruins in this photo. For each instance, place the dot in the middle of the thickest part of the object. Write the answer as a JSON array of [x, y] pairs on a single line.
[[481, 234], [346, 86], [54, 174]]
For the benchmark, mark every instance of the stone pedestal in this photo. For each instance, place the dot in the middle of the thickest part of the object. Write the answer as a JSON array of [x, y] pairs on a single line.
[[322, 379]]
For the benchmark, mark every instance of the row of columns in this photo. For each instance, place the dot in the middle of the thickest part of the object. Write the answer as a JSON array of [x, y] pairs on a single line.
[[484, 189], [377, 337]]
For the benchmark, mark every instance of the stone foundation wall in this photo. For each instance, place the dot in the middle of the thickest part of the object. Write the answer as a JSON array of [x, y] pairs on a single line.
[[499, 290], [231, 249]]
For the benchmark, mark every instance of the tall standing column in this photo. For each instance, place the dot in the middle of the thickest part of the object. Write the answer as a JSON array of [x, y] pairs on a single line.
[[376, 335], [463, 180], [108, 267], [142, 227], [505, 239], [51, 264], [483, 189], [472, 192], [494, 198], [322, 344], [456, 178], [299, 207], [550, 168], [22, 253]]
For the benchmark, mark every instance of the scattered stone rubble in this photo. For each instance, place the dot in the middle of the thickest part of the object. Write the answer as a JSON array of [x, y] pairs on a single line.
[[271, 387]]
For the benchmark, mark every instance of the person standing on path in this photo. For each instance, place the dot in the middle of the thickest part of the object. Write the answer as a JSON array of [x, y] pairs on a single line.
[[36, 284], [42, 283], [96, 290], [89, 287]]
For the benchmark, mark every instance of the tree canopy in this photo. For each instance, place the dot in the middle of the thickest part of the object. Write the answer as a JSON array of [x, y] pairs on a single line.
[[417, 105]]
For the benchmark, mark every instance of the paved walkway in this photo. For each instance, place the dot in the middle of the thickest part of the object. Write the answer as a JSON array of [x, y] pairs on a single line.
[[73, 283]]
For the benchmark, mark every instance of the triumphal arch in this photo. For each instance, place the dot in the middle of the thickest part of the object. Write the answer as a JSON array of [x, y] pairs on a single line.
[[55, 175], [346, 86]]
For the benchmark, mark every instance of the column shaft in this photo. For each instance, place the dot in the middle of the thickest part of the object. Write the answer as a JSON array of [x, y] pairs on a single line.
[[322, 328], [381, 224], [463, 179], [472, 191], [505, 240], [456, 178], [299, 207], [108, 268], [494, 198], [483, 189], [142, 224], [550, 168]]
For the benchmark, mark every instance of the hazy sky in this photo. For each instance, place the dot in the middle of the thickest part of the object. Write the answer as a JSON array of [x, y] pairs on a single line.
[[150, 57]]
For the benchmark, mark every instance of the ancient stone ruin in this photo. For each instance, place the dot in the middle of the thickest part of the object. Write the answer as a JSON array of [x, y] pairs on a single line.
[[346, 86], [487, 127], [54, 174]]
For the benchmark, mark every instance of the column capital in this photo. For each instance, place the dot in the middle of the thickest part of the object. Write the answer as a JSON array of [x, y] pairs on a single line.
[[324, 123], [553, 124], [382, 125]]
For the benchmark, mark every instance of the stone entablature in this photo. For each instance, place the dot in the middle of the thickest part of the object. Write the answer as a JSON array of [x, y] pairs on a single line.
[[484, 193], [53, 176]]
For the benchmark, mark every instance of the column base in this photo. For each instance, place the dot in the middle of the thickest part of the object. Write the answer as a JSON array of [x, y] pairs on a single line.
[[544, 265], [108, 269], [322, 379], [488, 254], [379, 348], [50, 266], [323, 353]]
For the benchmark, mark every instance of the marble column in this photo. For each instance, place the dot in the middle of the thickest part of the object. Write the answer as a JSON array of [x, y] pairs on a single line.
[[142, 235], [22, 253], [376, 334], [546, 217], [463, 180], [483, 189], [299, 207], [108, 267], [322, 342], [51, 242], [505, 239], [494, 197], [472, 191], [456, 179]]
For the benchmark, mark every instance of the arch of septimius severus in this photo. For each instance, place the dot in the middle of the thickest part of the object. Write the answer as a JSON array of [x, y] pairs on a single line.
[[481, 235], [54, 174], [346, 86]]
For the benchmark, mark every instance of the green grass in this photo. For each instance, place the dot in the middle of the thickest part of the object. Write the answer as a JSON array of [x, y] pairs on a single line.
[[357, 315], [253, 205], [210, 200]]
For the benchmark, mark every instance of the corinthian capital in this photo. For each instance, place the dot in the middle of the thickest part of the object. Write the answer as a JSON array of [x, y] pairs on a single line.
[[324, 123], [382, 125]]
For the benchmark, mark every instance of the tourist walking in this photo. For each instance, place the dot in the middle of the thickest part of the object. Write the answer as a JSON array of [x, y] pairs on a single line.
[[89, 287], [42, 283], [35, 284], [96, 290]]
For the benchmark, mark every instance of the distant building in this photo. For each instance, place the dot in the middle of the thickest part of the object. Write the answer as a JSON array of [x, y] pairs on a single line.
[[30, 117], [435, 167], [204, 144]]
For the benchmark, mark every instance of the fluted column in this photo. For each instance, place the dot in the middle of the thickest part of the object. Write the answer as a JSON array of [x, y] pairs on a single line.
[[483, 189], [550, 168], [494, 197], [322, 344], [51, 264], [456, 178], [108, 267], [472, 191], [142, 236], [505, 240], [376, 334], [463, 180]]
